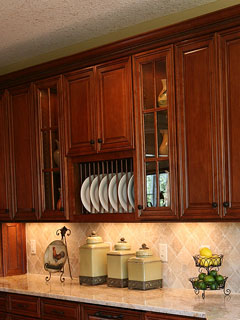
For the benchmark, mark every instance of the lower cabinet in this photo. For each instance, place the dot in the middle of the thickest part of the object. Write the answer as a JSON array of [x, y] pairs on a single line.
[[92, 312], [20, 307]]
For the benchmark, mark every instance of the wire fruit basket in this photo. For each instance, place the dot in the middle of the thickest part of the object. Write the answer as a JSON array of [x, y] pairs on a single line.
[[208, 278]]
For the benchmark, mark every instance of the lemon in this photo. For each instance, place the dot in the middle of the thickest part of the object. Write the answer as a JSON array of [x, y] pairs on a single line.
[[205, 262], [205, 252]]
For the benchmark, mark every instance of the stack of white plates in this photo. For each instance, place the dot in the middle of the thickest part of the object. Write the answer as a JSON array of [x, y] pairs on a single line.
[[108, 193]]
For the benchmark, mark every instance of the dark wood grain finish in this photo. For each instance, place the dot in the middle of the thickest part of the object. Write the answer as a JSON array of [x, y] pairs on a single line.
[[115, 106], [92, 312], [23, 154], [197, 129], [57, 309], [54, 84], [14, 249], [17, 317], [229, 52], [3, 301], [5, 177], [80, 112], [165, 54], [24, 305]]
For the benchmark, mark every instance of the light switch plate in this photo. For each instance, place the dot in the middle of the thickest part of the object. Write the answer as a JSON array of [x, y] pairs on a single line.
[[33, 246], [163, 252]]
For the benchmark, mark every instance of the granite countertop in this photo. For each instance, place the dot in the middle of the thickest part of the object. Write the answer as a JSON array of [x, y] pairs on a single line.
[[173, 301]]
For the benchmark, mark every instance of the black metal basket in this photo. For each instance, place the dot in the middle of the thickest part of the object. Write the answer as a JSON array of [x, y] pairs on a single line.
[[212, 262]]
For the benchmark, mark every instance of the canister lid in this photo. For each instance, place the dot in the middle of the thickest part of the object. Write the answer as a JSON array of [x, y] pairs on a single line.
[[144, 251], [93, 238], [122, 245]]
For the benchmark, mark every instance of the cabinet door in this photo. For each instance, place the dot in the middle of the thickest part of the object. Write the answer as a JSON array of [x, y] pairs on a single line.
[[115, 106], [91, 312], [80, 112], [197, 129], [13, 248], [229, 44], [23, 154], [156, 134], [5, 179], [50, 132]]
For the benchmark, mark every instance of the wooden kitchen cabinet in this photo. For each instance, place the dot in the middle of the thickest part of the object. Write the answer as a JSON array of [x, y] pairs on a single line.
[[23, 165], [156, 134], [99, 108], [198, 129], [57, 309], [5, 177], [24, 305], [50, 151], [93, 312], [229, 67]]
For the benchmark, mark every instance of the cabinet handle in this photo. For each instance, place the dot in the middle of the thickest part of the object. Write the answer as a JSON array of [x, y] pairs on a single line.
[[33, 210], [22, 306], [92, 141], [108, 316], [62, 209], [99, 140], [6, 210], [214, 205], [140, 207], [57, 312], [226, 204]]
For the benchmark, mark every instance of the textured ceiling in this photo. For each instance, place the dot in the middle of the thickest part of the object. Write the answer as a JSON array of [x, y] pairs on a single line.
[[33, 27]]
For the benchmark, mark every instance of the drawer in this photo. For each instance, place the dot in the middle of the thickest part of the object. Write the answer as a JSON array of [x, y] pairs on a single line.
[[24, 305], [3, 302], [59, 309], [92, 312], [17, 317]]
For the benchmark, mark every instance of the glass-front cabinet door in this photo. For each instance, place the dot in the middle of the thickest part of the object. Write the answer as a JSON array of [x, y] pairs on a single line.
[[155, 134], [50, 138]]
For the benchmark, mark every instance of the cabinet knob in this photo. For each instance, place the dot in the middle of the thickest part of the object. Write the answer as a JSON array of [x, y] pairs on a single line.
[[62, 209], [108, 316], [99, 140], [33, 209], [92, 141], [6, 210], [226, 204], [140, 207], [214, 205]]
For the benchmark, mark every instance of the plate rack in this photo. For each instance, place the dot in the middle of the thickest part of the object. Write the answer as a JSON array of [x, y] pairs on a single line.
[[107, 186]]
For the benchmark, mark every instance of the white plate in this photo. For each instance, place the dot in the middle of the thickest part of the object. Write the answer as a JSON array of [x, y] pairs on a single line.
[[55, 256], [85, 194], [113, 194], [131, 191], [94, 191], [122, 192], [103, 194]]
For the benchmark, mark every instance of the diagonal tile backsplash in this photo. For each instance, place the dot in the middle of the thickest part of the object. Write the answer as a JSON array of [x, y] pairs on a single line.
[[183, 240]]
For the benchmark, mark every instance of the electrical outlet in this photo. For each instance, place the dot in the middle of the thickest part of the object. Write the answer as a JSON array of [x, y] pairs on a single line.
[[33, 247], [163, 252]]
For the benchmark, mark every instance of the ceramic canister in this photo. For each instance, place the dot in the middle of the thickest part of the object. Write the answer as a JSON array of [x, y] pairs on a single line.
[[93, 261], [144, 270], [117, 268]]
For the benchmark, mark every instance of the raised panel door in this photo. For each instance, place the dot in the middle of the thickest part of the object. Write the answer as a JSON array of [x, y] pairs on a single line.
[[5, 178], [115, 105], [23, 154], [197, 129], [80, 112], [229, 53]]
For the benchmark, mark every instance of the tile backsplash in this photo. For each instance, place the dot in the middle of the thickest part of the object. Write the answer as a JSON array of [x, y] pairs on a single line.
[[183, 241]]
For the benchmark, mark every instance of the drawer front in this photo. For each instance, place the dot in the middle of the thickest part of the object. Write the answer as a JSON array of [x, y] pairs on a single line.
[[3, 302], [24, 305], [92, 312], [58, 309], [17, 317]]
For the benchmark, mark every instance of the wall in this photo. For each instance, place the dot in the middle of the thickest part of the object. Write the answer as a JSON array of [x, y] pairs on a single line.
[[183, 240]]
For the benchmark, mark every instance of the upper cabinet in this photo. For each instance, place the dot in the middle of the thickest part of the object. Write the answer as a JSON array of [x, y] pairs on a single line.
[[5, 177], [23, 167], [99, 108], [155, 134], [51, 162], [198, 123], [229, 67]]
